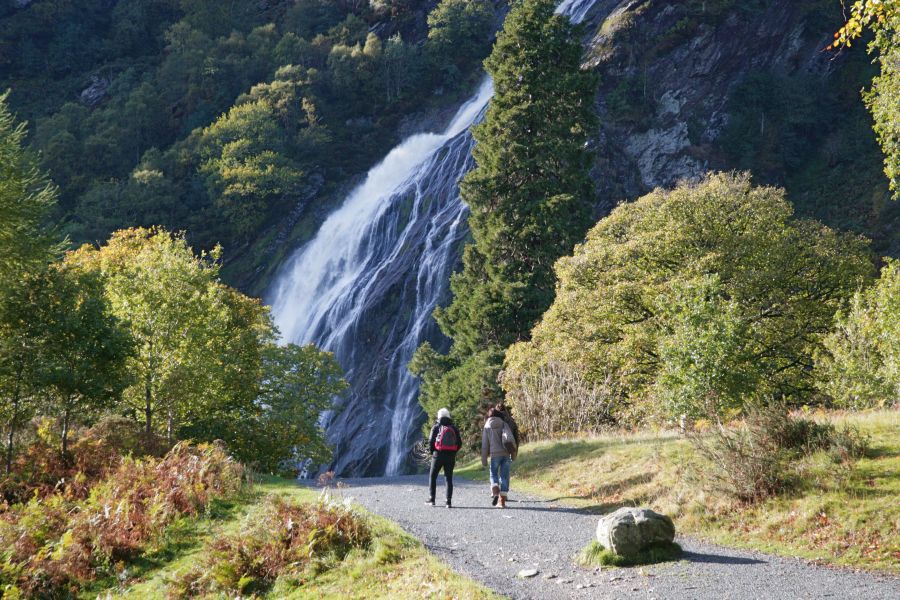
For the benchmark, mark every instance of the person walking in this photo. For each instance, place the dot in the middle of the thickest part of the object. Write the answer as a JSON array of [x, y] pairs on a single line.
[[443, 443], [506, 414], [498, 444]]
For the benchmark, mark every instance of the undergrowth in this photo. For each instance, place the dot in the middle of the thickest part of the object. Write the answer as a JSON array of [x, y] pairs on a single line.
[[285, 538], [55, 545], [758, 458]]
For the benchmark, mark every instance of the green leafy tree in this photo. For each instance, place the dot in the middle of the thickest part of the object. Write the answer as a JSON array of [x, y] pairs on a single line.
[[859, 366], [19, 342], [288, 390], [883, 18], [711, 291], [82, 347], [459, 34], [530, 197], [705, 361], [298, 384], [182, 318], [246, 166]]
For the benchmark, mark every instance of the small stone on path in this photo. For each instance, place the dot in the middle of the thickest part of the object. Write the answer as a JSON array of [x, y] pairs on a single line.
[[526, 573], [549, 575]]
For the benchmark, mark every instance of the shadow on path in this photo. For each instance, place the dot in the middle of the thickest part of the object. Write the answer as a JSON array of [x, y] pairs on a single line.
[[718, 559]]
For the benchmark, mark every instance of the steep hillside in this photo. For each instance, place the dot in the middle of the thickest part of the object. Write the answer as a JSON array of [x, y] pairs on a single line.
[[128, 102], [236, 122], [688, 87]]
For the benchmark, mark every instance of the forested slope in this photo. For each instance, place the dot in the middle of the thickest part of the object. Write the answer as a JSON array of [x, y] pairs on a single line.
[[233, 121], [241, 122]]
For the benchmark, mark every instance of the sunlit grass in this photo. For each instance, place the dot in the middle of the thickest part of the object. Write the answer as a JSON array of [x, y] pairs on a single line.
[[836, 514]]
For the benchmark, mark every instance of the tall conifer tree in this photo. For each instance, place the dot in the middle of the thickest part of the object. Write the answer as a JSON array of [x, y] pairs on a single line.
[[530, 199]]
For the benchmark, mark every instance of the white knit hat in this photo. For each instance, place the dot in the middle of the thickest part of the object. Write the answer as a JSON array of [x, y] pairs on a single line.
[[443, 413]]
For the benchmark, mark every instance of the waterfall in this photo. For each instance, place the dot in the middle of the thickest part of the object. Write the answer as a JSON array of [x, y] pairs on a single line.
[[366, 285]]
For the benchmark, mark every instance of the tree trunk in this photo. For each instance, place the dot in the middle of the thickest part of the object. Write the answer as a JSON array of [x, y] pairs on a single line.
[[13, 419], [170, 427], [65, 430], [148, 408]]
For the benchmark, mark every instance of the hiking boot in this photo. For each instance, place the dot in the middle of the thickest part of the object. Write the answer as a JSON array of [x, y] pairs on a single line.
[[449, 505], [502, 501], [494, 500], [495, 492], [430, 501]]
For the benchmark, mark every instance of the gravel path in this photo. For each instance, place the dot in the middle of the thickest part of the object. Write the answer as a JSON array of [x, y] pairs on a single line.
[[493, 545]]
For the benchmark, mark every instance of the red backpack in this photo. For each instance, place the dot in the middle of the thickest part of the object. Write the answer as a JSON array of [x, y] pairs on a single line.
[[446, 439]]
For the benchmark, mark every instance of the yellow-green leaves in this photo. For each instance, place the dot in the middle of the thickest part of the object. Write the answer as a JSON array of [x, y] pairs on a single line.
[[711, 293], [859, 366], [882, 17]]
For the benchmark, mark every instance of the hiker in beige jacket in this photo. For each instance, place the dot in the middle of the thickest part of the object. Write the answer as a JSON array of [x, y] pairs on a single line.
[[498, 445]]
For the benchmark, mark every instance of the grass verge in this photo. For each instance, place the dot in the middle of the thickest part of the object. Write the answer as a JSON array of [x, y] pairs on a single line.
[[835, 514], [394, 565]]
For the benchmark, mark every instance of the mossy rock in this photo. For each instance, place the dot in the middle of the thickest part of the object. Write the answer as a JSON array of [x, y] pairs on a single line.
[[594, 554]]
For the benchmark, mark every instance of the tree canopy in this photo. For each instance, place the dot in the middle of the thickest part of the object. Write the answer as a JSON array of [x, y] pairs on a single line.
[[707, 296]]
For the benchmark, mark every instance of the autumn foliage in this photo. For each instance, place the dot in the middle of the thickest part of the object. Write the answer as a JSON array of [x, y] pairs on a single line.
[[55, 543]]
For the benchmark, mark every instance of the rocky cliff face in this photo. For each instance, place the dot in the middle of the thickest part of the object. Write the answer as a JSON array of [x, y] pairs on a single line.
[[673, 75]]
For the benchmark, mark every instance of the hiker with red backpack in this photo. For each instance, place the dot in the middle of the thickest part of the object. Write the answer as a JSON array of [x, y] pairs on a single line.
[[443, 443]]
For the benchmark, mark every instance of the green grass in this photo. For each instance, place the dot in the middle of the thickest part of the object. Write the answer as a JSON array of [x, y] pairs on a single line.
[[395, 565], [594, 555], [835, 514]]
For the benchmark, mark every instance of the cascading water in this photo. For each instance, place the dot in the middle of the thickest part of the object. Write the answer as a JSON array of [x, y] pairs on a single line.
[[366, 285]]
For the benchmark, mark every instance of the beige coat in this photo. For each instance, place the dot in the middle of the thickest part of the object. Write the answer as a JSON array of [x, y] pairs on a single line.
[[492, 439]]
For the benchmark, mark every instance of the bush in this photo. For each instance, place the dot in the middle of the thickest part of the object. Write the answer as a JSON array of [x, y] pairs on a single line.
[[755, 460], [594, 554], [287, 537], [859, 366], [708, 292], [52, 545], [554, 399]]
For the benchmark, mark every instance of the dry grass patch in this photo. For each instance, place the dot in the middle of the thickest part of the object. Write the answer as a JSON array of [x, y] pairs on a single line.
[[835, 513]]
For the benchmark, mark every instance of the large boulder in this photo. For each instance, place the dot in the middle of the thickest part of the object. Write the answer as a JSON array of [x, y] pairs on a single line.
[[628, 531]]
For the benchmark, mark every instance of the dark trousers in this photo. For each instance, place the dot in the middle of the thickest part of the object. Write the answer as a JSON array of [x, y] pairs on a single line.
[[445, 461]]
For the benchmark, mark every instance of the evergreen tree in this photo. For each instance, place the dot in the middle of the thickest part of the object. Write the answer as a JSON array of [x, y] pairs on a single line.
[[26, 196], [530, 200]]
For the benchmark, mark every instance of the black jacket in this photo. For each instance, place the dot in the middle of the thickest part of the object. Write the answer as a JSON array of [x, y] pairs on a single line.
[[434, 433]]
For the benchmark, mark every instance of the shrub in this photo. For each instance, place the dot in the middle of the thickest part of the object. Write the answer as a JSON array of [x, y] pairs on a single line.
[[555, 399], [695, 294], [859, 366], [52, 545], [127, 436], [754, 460], [594, 554], [287, 537]]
